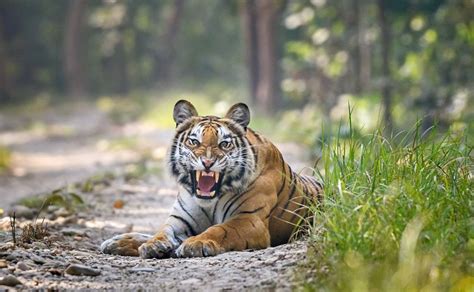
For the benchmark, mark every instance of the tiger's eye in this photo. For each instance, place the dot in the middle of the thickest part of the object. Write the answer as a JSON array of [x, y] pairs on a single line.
[[192, 142], [225, 145]]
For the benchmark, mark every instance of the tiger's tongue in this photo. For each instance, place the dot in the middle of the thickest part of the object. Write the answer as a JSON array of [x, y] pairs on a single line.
[[206, 183]]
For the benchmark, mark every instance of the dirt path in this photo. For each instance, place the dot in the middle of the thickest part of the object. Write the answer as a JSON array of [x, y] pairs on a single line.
[[132, 197], [59, 146]]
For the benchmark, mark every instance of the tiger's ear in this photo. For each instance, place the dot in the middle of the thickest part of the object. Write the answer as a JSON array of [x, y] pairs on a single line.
[[183, 110], [240, 113]]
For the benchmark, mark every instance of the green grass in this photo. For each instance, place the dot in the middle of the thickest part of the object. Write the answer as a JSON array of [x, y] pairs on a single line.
[[397, 215]]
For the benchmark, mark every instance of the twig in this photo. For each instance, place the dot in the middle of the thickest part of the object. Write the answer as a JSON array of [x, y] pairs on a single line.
[[13, 226]]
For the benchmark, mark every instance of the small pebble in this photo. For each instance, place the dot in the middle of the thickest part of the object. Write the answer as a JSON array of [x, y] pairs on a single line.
[[39, 245], [37, 259], [73, 232], [3, 264], [80, 270], [22, 266]]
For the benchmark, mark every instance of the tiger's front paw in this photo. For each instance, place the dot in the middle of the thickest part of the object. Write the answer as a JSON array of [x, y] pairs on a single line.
[[155, 248], [124, 244], [194, 247]]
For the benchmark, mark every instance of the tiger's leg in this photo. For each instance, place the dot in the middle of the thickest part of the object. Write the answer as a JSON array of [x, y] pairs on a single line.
[[239, 233], [138, 244], [186, 219], [161, 244], [124, 244]]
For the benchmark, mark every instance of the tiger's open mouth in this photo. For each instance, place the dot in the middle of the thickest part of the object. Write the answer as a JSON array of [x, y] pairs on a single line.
[[206, 184]]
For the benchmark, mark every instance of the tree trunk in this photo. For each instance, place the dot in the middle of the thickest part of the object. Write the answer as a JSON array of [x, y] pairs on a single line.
[[386, 77], [249, 28], [268, 93], [5, 90], [122, 68], [166, 59], [72, 48], [355, 46]]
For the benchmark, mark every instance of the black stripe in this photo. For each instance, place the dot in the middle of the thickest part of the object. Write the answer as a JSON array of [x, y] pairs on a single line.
[[315, 184], [237, 197], [234, 127], [284, 178], [273, 209], [251, 212], [250, 186], [303, 202], [214, 212], [186, 211], [240, 205], [174, 234], [207, 215], [253, 224], [244, 156], [255, 155], [184, 126], [292, 193], [190, 228], [229, 203], [283, 174], [259, 138], [225, 231]]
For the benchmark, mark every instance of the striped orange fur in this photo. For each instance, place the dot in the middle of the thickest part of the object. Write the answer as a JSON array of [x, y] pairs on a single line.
[[236, 192]]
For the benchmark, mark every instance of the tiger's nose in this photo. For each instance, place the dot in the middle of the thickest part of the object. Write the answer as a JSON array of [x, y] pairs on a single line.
[[208, 163]]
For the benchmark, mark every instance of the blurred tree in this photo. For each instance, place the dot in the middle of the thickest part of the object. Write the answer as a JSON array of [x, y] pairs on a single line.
[[73, 42], [386, 86], [5, 83], [249, 27], [165, 58], [407, 54], [267, 90]]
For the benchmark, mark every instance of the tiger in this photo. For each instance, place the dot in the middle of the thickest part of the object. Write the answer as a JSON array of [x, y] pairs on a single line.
[[236, 192]]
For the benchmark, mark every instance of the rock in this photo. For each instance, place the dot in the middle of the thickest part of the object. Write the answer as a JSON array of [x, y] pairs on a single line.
[[80, 270], [22, 266], [39, 245], [37, 259], [55, 272], [271, 261], [73, 232], [22, 212], [3, 264], [6, 246], [10, 281], [5, 224], [62, 220], [13, 256]]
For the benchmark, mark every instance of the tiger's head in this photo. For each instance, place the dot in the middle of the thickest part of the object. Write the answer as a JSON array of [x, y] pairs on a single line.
[[211, 156]]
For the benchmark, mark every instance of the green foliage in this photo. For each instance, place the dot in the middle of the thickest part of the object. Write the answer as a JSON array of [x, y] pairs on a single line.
[[330, 52], [5, 158], [64, 197], [397, 214]]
